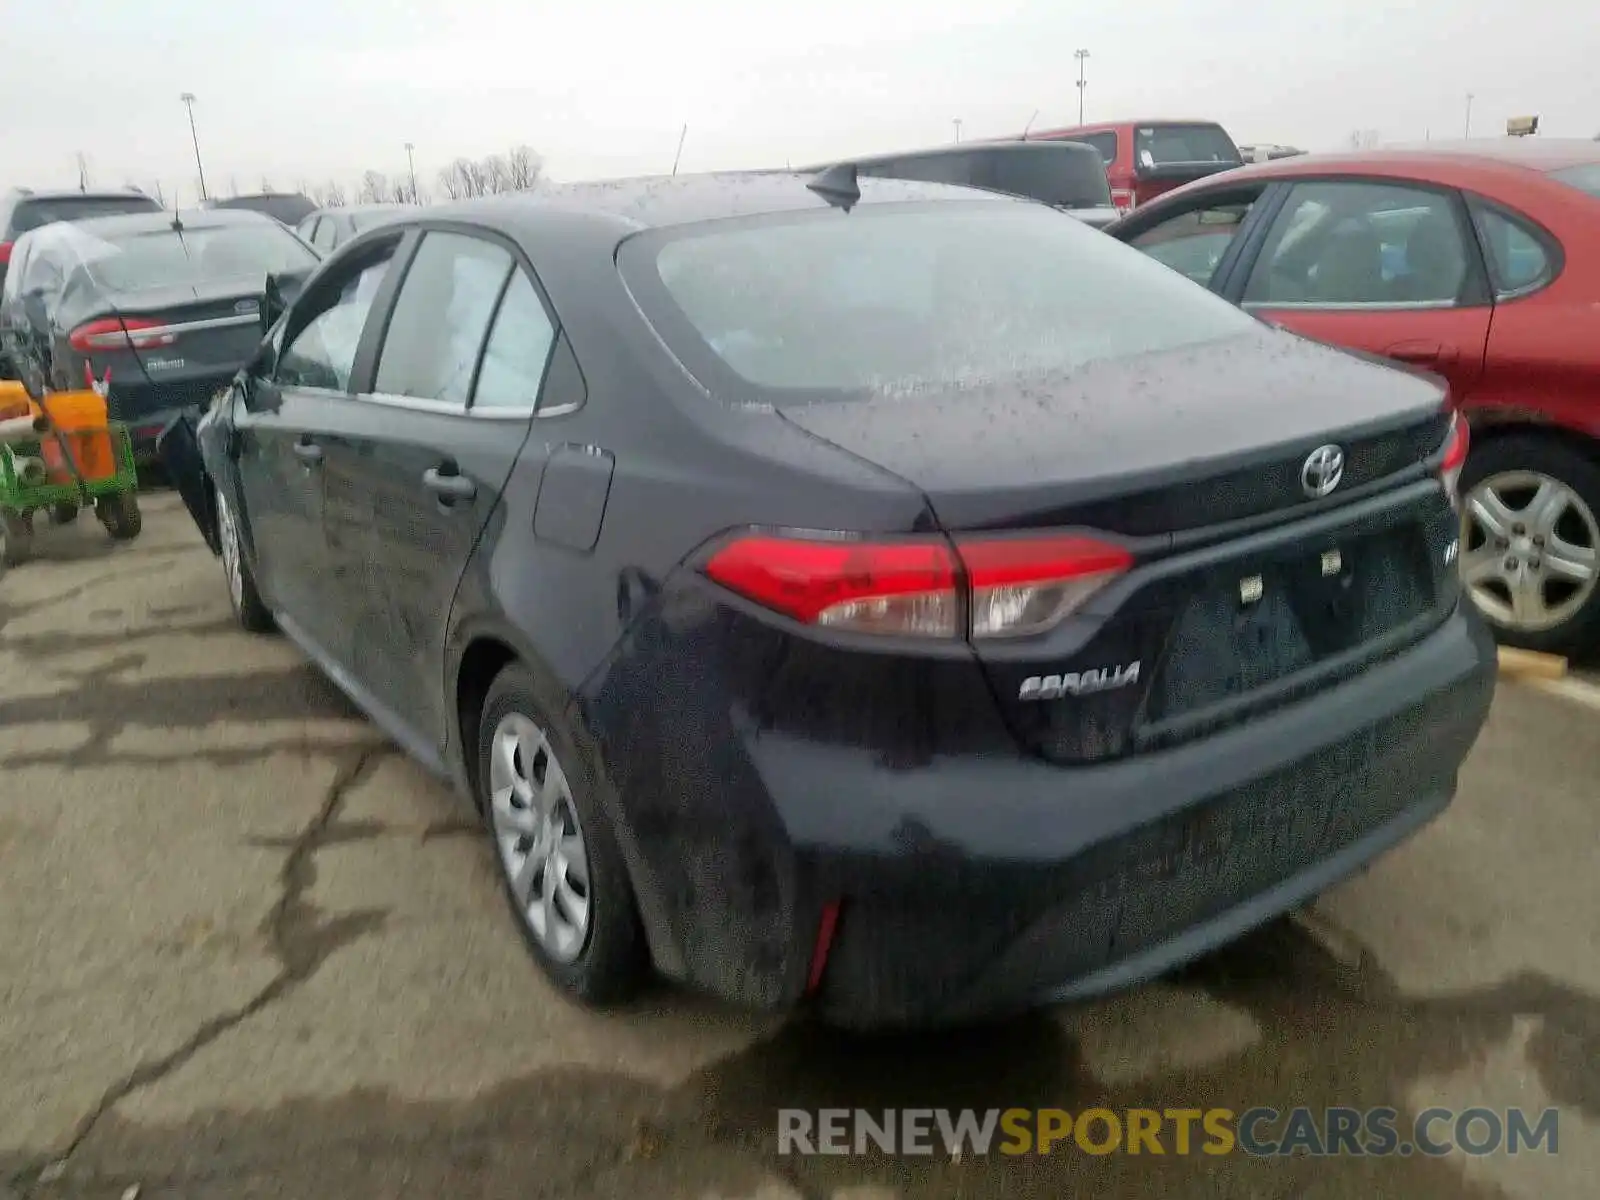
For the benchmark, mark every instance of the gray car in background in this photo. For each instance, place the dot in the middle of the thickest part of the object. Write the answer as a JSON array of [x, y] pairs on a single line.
[[329, 228]]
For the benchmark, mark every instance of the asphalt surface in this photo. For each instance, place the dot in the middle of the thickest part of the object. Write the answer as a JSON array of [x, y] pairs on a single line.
[[247, 950]]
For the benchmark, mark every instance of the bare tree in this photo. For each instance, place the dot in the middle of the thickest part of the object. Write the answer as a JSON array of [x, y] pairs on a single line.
[[329, 195], [399, 191], [266, 185], [374, 188], [233, 186], [525, 166], [450, 182], [496, 174]]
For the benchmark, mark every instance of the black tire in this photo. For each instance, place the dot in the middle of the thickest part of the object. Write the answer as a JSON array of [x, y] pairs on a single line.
[[16, 537], [613, 962], [1539, 454], [253, 615], [119, 513], [64, 513]]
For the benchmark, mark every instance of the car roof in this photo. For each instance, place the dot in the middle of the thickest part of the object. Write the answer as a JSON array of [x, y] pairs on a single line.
[[1122, 123], [1527, 154], [662, 201], [23, 195]]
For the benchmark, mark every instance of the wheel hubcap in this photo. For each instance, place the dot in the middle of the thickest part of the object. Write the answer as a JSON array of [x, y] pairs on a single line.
[[228, 535], [1530, 550], [539, 838]]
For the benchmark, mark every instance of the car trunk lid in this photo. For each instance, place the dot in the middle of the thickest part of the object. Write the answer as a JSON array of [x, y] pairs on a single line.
[[1244, 589]]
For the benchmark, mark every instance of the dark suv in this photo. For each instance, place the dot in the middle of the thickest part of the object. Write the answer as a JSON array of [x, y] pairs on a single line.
[[288, 208], [22, 210]]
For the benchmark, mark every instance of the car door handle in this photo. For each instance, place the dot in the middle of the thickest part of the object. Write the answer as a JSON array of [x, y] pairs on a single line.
[[449, 485], [1422, 352], [308, 452]]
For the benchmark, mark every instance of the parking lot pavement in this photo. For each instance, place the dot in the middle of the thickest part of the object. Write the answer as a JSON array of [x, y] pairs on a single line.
[[247, 950]]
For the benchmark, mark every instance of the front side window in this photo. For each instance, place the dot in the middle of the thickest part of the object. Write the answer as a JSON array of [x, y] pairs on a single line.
[[431, 348], [1105, 142], [1194, 242], [323, 352], [912, 297], [1354, 243]]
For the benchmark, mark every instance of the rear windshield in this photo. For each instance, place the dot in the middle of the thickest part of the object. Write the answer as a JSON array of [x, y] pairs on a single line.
[[31, 214], [910, 297], [1064, 175], [291, 210], [1170, 145], [1585, 178], [159, 258]]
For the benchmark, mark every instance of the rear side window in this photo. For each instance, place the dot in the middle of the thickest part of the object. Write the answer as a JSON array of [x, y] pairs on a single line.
[[1170, 145], [1105, 142], [1585, 178], [431, 347], [912, 297], [1517, 257], [31, 214], [515, 355]]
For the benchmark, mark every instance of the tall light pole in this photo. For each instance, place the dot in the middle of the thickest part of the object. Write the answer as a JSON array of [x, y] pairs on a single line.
[[188, 102], [1469, 114], [1080, 55], [411, 163], [957, 124]]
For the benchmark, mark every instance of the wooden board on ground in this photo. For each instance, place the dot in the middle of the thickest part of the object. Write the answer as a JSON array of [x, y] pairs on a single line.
[[1529, 664]]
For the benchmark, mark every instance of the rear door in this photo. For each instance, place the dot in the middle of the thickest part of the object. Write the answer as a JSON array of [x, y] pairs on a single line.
[[280, 449], [452, 390], [1391, 268]]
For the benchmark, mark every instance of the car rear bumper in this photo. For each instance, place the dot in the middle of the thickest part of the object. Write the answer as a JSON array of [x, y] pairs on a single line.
[[970, 886]]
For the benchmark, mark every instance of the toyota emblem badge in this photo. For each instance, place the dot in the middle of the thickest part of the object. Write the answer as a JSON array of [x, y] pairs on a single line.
[[1322, 471]]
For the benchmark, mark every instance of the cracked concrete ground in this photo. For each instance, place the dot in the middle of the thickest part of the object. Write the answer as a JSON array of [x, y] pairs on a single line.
[[246, 949]]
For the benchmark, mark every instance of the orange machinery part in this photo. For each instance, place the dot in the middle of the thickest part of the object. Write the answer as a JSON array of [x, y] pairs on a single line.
[[81, 418]]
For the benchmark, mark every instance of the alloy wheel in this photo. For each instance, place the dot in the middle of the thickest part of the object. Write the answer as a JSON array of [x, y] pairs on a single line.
[[1530, 550], [228, 536], [539, 837]]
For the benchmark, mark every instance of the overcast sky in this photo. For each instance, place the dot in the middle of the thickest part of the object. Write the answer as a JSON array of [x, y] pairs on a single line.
[[298, 91]]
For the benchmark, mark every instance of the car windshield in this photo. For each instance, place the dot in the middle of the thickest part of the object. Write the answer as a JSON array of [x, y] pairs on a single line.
[[1170, 145], [1585, 178], [129, 262], [914, 296], [34, 214]]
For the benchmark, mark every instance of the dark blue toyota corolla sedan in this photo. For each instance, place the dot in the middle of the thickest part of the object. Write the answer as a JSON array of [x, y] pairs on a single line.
[[888, 598]]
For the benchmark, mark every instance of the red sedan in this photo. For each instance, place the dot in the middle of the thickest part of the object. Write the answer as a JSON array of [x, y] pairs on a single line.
[[1479, 261]]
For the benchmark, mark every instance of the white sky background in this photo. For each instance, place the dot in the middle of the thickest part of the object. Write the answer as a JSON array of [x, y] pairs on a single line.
[[298, 91]]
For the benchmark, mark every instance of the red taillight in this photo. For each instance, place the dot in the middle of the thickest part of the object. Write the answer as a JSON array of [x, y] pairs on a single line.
[[5, 253], [112, 333], [987, 586], [1455, 456], [1122, 198], [891, 587]]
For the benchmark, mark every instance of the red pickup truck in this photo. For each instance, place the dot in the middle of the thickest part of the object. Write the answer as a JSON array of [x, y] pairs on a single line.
[[1145, 158]]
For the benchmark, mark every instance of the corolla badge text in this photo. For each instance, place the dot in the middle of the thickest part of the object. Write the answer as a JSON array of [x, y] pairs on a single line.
[[163, 364], [1078, 683]]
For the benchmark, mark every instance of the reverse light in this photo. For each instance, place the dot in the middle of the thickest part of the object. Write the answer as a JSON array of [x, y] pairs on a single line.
[[5, 253], [988, 587], [1455, 457], [113, 333], [1026, 585]]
